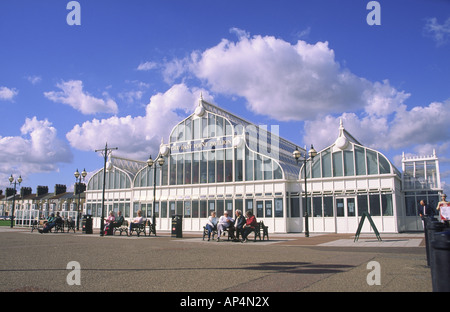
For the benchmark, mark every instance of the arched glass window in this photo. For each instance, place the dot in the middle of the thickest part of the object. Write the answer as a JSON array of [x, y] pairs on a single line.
[[115, 179], [359, 161]]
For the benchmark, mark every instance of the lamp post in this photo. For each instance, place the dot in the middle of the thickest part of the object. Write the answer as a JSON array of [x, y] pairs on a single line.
[[105, 152], [11, 182], [78, 177], [312, 153], [150, 164]]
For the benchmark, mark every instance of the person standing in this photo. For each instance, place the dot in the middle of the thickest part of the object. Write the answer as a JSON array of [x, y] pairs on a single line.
[[441, 204], [425, 211]]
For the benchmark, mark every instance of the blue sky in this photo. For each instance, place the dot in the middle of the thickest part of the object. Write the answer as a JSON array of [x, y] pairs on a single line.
[[132, 69]]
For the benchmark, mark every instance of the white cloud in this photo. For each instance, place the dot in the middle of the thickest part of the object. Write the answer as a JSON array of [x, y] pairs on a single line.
[[38, 149], [72, 94], [131, 96], [439, 32], [147, 66], [34, 79], [137, 137], [420, 127], [175, 69], [7, 93], [288, 81], [136, 93], [383, 100]]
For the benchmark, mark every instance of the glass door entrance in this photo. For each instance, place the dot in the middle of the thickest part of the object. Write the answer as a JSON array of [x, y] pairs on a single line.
[[346, 220]]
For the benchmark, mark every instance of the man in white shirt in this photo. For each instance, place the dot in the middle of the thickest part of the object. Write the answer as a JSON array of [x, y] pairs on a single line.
[[224, 222]]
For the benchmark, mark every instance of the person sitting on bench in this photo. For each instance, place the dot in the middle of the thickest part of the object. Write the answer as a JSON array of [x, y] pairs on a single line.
[[51, 222], [108, 223], [238, 225], [118, 221], [212, 224], [136, 221], [249, 225], [224, 222]]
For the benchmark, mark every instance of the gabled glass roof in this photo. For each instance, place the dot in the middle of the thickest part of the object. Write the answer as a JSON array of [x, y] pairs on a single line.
[[260, 140], [131, 167]]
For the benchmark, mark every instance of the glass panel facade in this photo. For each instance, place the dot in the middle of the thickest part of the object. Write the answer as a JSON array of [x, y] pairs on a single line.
[[372, 163], [295, 207], [360, 162], [337, 164], [387, 205], [431, 174], [326, 163], [419, 176], [316, 168], [362, 204], [351, 207], [340, 209], [384, 164], [213, 159], [349, 167], [317, 207], [278, 207], [328, 206], [374, 201]]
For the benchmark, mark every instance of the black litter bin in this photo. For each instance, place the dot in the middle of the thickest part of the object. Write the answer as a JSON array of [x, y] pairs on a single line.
[[86, 224], [431, 227], [177, 226], [440, 268]]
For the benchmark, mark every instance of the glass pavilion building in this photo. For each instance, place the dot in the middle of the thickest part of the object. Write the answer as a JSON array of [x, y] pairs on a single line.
[[216, 161]]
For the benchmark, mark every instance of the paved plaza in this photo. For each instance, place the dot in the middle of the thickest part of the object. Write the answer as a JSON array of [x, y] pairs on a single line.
[[285, 263]]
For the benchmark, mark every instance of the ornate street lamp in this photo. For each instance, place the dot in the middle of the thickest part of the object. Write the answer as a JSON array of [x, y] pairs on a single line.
[[105, 152], [150, 164], [78, 178], [14, 181], [296, 154]]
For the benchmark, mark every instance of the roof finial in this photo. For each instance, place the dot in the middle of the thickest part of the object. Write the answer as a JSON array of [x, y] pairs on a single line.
[[199, 111], [341, 127], [200, 100]]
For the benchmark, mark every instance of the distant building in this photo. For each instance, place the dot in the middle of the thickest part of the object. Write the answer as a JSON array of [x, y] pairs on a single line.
[[29, 206], [421, 181]]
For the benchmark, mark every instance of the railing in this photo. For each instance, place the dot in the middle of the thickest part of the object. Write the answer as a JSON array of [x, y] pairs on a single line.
[[25, 217]]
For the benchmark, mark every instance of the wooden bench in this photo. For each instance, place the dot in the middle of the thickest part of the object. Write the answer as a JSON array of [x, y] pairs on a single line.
[[151, 228], [37, 224], [122, 228], [205, 232], [70, 224], [59, 225], [226, 232], [139, 228], [260, 228], [264, 229]]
